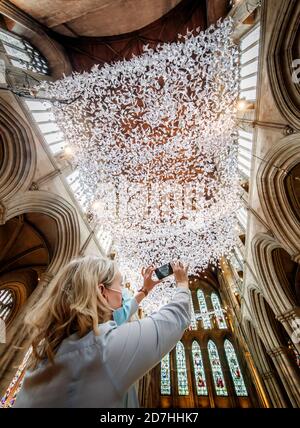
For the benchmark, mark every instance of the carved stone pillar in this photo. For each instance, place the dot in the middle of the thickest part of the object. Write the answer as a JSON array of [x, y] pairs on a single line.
[[286, 370], [256, 377], [17, 339], [273, 389]]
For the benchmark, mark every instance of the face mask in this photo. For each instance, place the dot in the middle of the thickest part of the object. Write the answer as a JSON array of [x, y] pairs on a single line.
[[123, 313]]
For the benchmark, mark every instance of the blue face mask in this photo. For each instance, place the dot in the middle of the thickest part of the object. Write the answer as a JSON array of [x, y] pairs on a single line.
[[123, 313]]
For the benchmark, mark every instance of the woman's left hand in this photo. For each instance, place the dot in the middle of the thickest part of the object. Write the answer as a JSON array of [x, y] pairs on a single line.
[[149, 283]]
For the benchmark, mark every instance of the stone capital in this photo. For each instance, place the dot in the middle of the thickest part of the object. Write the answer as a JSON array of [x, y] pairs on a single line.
[[45, 278], [267, 375], [287, 316], [275, 352]]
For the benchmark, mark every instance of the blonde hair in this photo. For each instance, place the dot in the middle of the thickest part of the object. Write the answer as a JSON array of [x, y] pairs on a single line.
[[72, 303]]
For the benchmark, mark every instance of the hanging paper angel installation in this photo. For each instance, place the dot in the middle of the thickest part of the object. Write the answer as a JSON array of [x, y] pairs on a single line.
[[154, 142]]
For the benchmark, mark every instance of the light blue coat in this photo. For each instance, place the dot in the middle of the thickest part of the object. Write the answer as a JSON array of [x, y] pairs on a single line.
[[100, 371]]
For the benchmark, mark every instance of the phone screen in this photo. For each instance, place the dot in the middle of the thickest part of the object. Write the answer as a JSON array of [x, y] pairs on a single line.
[[164, 271]]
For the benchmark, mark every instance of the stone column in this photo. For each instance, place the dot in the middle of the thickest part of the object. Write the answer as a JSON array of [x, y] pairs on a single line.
[[17, 339], [288, 375], [273, 389], [255, 377]]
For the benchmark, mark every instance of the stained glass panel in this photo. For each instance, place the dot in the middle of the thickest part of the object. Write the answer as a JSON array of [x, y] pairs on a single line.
[[236, 374], [183, 387], [165, 379], [6, 303], [9, 397], [22, 54], [218, 311], [10, 39], [203, 309], [199, 372], [16, 53], [216, 368], [193, 325]]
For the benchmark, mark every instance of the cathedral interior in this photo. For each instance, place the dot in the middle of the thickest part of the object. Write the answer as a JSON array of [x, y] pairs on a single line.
[[242, 349]]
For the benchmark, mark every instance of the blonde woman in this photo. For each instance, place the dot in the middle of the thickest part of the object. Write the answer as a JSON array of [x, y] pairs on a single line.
[[81, 357]]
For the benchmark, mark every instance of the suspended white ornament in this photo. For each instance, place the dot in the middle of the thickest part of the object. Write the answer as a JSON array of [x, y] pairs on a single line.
[[155, 144]]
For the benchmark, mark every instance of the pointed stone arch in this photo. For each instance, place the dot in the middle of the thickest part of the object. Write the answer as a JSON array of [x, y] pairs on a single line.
[[67, 247], [274, 288], [283, 49], [260, 318], [65, 216], [18, 151], [271, 184]]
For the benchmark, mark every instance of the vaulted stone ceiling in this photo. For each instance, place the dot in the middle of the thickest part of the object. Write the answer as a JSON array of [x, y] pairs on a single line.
[[95, 17]]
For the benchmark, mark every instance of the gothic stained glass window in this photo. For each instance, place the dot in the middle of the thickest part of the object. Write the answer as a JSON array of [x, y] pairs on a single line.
[[203, 309], [183, 387], [193, 325], [218, 311], [236, 374], [6, 303], [22, 54], [165, 379], [199, 372], [216, 368]]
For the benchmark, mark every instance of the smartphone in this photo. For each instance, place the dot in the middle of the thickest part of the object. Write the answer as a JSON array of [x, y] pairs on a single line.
[[164, 271]]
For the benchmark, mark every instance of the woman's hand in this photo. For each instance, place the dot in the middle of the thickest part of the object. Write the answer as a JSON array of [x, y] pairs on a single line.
[[149, 283], [180, 273]]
